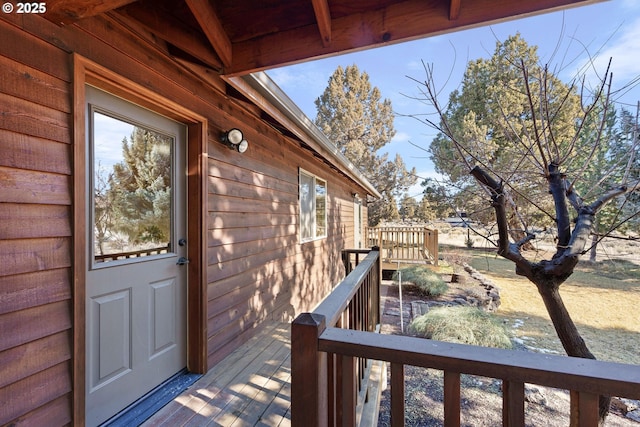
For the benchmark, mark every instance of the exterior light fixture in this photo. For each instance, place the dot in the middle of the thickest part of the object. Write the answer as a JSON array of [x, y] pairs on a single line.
[[235, 140]]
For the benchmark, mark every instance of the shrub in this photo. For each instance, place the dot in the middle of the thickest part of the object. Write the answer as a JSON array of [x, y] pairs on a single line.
[[464, 325], [428, 281]]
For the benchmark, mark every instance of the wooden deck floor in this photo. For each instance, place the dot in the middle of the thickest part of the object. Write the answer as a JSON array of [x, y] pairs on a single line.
[[250, 387]]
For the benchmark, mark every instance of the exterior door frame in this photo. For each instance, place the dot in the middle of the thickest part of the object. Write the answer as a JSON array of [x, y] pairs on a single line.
[[88, 72]]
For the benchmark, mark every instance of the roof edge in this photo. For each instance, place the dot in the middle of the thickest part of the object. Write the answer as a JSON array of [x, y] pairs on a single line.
[[259, 87]]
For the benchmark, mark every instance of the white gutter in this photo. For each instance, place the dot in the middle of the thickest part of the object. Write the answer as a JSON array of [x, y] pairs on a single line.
[[266, 94]]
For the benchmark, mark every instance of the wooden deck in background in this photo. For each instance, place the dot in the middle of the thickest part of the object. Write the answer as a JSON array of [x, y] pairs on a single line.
[[250, 387]]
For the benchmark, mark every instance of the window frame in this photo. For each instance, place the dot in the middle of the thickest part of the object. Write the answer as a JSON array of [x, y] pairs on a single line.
[[313, 213]]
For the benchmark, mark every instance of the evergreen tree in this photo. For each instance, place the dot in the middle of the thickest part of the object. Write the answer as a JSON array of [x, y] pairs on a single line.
[[495, 122], [408, 207], [425, 212], [140, 188], [352, 115], [436, 196]]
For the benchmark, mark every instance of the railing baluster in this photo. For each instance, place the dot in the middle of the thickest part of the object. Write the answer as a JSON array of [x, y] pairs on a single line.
[[587, 408], [397, 395], [451, 399], [512, 404], [332, 384], [349, 391]]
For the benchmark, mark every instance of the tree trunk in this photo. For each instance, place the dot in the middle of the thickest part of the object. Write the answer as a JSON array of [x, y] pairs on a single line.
[[548, 275], [594, 245], [570, 338]]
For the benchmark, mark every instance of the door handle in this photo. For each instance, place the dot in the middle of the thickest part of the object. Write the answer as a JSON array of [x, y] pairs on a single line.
[[182, 261]]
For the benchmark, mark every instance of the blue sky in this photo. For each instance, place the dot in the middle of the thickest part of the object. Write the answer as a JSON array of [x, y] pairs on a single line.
[[565, 41]]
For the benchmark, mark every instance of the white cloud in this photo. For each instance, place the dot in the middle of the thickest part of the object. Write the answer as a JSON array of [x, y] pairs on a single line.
[[401, 137], [304, 77], [623, 52]]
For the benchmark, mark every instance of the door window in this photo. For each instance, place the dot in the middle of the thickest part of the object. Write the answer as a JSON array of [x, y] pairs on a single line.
[[132, 183]]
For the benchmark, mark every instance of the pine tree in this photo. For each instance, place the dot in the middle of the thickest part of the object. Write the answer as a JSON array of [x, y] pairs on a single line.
[[140, 188], [352, 115]]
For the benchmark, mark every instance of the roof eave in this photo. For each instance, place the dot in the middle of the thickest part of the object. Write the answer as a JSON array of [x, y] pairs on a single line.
[[266, 94]]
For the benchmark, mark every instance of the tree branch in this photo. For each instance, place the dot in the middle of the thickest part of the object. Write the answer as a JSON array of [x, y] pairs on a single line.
[[563, 222], [506, 249]]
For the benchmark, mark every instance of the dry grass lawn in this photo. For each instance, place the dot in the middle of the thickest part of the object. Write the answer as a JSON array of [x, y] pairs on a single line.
[[603, 300]]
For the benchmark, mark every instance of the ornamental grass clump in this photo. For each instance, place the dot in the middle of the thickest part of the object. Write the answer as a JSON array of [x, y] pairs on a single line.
[[428, 281], [463, 325]]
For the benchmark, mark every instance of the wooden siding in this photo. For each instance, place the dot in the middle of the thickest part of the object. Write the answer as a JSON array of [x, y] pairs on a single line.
[[35, 232], [257, 269]]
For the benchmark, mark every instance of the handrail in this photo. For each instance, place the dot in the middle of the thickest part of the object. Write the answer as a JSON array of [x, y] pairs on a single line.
[[334, 305], [328, 386], [563, 372]]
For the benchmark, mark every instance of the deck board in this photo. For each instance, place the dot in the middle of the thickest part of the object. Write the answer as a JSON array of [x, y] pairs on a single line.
[[249, 387]]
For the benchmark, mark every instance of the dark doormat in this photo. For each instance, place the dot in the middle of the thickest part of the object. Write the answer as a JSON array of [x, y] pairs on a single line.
[[142, 409]]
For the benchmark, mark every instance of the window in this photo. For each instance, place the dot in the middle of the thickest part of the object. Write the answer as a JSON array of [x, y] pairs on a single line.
[[313, 207]]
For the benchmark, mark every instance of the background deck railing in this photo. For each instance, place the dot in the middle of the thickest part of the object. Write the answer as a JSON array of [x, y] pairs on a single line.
[[132, 254], [404, 244], [324, 354]]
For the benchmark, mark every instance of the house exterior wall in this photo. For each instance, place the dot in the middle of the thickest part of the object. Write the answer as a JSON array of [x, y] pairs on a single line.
[[256, 267]]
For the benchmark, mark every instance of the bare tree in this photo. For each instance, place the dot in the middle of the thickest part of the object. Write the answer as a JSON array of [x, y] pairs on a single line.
[[557, 158]]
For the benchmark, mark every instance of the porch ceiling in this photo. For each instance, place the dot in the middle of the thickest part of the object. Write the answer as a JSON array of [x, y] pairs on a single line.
[[241, 36]]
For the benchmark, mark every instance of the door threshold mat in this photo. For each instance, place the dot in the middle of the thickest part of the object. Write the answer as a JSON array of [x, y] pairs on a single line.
[[142, 409]]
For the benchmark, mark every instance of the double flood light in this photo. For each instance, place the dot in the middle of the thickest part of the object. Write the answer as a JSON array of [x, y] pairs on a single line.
[[235, 140]]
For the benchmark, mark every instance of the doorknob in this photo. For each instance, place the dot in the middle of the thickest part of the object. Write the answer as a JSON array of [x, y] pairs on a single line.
[[182, 261]]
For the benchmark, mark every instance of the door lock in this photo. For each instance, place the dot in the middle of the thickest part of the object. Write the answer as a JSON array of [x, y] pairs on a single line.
[[182, 261]]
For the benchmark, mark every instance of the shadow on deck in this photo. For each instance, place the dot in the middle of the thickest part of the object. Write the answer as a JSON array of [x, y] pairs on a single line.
[[250, 387]]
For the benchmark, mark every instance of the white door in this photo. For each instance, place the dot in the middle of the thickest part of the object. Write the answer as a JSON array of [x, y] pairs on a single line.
[[136, 277]]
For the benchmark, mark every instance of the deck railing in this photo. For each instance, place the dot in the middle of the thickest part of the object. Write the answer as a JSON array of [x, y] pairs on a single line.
[[329, 386], [131, 254], [404, 244], [324, 355]]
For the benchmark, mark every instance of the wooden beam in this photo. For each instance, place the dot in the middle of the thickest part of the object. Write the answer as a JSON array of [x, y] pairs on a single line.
[[397, 22], [70, 11], [323, 18], [172, 31], [213, 29], [454, 9]]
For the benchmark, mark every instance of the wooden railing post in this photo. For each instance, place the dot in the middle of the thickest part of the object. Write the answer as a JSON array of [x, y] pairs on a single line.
[[451, 399], [512, 404], [346, 261], [587, 404], [397, 394], [309, 401]]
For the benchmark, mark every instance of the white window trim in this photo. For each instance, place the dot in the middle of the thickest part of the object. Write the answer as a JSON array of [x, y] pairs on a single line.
[[315, 236]]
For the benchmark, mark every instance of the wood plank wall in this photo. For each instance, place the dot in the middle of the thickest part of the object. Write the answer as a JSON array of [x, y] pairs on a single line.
[[257, 269], [35, 231]]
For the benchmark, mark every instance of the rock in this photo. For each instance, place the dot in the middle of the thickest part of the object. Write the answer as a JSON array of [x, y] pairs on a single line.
[[418, 308], [457, 278], [624, 405], [534, 395], [634, 415]]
